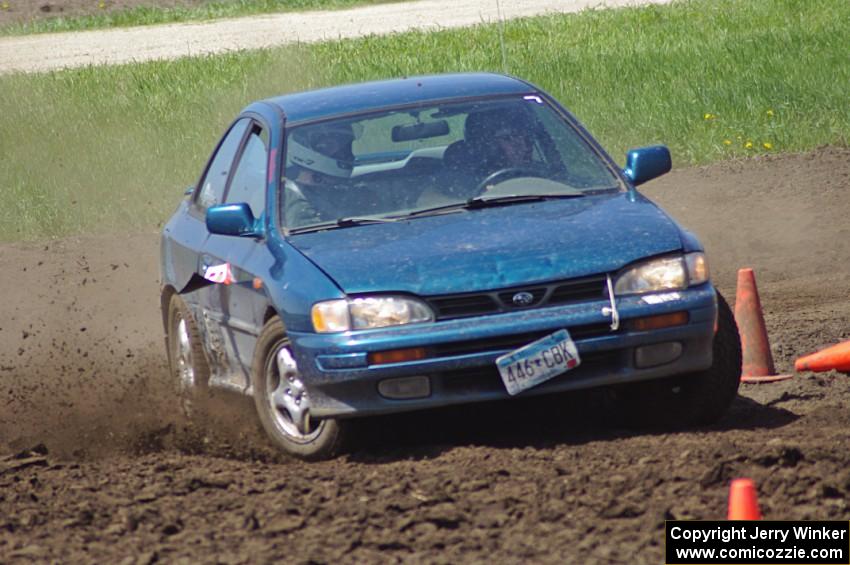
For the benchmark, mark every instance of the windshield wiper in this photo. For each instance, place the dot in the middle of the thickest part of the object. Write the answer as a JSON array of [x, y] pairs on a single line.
[[435, 210], [360, 220], [483, 200], [341, 223]]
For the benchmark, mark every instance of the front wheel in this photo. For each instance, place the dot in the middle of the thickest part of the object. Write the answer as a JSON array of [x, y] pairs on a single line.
[[699, 398], [190, 371], [283, 403]]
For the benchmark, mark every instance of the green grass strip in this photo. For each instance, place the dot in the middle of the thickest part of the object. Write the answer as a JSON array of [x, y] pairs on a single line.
[[111, 148], [149, 15]]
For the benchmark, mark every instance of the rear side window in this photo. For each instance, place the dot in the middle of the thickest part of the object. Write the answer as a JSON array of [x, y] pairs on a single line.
[[212, 187], [249, 177]]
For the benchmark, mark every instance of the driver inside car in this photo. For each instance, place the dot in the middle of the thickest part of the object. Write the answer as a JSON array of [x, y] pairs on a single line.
[[320, 162], [515, 146], [494, 141]]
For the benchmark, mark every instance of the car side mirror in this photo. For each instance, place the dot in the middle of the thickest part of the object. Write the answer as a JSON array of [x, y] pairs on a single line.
[[232, 219], [647, 163]]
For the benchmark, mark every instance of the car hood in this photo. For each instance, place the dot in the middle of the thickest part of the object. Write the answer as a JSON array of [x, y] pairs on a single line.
[[497, 247]]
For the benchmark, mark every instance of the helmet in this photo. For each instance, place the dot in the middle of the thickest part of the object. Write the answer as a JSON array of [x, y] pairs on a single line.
[[484, 133], [323, 148], [482, 126]]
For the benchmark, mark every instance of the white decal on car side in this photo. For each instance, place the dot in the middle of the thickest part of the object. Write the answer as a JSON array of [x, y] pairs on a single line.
[[219, 273]]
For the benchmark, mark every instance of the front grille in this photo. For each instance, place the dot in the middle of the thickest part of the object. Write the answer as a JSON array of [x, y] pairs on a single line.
[[460, 306], [595, 288], [452, 306], [513, 341]]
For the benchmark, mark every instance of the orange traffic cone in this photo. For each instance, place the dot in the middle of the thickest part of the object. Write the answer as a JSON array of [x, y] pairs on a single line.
[[743, 503], [758, 361], [835, 358]]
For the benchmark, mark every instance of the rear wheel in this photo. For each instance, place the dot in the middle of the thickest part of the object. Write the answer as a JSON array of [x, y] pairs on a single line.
[[283, 403], [697, 398], [190, 372]]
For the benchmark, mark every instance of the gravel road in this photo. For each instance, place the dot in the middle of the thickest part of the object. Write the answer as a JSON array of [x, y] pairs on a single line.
[[47, 52]]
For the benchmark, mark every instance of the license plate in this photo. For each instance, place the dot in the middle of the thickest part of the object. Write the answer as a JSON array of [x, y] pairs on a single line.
[[538, 362]]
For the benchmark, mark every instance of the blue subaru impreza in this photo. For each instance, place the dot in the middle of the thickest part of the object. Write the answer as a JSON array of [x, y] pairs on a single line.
[[415, 243]]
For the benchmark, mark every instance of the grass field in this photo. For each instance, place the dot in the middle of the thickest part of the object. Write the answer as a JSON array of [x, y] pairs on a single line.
[[109, 148], [148, 15]]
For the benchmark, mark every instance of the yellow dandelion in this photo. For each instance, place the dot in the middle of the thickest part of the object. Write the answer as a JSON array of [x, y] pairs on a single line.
[[727, 142], [708, 116], [767, 145], [769, 113], [748, 145]]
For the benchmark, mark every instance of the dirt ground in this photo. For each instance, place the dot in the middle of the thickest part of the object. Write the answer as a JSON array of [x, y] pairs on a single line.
[[95, 467]]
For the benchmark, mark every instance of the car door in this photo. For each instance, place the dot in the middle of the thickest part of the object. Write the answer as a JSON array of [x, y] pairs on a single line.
[[237, 307], [183, 245]]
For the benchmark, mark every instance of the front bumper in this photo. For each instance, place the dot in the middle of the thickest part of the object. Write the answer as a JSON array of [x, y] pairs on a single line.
[[462, 353]]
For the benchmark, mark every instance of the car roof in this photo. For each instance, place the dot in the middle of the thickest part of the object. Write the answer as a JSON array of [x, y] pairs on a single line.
[[366, 96]]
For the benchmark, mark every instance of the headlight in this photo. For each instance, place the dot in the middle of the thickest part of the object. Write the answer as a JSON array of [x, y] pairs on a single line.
[[669, 273], [367, 313], [387, 311]]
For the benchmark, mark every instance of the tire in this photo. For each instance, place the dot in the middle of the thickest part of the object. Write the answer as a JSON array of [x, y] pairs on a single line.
[[699, 398], [279, 399], [190, 372]]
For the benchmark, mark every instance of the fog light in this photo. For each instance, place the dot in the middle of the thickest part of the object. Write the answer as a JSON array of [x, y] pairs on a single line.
[[405, 388], [662, 321], [658, 354], [396, 356]]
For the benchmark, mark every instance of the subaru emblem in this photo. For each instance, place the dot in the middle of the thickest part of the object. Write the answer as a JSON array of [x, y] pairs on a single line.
[[522, 298]]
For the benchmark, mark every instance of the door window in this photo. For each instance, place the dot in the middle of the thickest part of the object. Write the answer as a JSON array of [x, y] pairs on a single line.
[[249, 177], [212, 187]]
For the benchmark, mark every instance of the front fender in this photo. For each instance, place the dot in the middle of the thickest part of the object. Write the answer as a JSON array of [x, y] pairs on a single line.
[[294, 284]]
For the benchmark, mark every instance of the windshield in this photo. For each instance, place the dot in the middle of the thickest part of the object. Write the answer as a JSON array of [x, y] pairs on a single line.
[[405, 163]]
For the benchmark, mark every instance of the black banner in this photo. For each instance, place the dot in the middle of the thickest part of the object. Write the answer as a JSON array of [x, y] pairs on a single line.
[[758, 542]]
